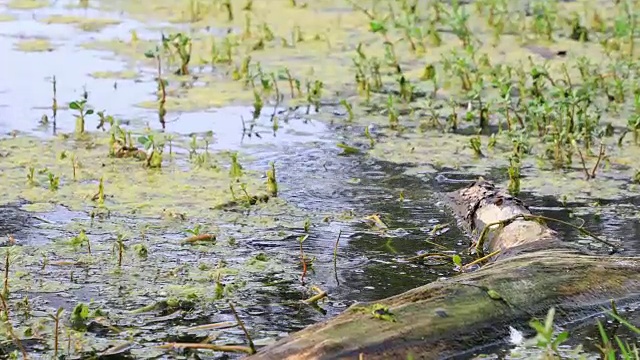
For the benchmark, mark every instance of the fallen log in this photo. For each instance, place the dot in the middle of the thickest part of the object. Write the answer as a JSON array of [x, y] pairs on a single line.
[[458, 316]]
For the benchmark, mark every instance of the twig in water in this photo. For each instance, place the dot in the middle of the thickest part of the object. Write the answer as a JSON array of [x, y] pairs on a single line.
[[601, 154], [438, 245], [335, 256], [244, 329], [225, 348], [43, 220], [218, 325], [198, 238], [426, 255], [584, 165], [320, 294]]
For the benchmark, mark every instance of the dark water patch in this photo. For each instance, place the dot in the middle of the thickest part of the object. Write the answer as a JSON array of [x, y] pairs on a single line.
[[13, 220], [369, 260]]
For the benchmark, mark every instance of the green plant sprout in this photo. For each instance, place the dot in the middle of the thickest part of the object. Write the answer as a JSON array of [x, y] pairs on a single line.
[[154, 149], [81, 107], [54, 181], [272, 183]]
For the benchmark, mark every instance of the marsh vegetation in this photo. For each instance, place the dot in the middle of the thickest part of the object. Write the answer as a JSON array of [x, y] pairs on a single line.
[[199, 177]]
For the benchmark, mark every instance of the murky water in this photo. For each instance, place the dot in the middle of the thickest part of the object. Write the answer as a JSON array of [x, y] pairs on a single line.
[[312, 174]]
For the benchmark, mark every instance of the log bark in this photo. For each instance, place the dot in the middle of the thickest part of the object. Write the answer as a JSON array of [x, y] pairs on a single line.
[[455, 317]]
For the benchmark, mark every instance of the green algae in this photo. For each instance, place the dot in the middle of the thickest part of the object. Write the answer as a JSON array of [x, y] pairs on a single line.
[[129, 186], [125, 74], [83, 23], [4, 17], [140, 206], [39, 207], [35, 45], [28, 4]]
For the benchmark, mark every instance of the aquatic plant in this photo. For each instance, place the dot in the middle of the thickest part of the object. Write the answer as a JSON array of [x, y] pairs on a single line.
[[303, 259], [162, 84], [81, 107], [119, 248], [624, 350], [154, 149], [348, 108], [475, 144], [104, 119], [235, 170], [272, 182], [99, 196], [182, 44], [54, 104], [79, 316], [514, 174], [80, 240], [30, 176], [54, 181]]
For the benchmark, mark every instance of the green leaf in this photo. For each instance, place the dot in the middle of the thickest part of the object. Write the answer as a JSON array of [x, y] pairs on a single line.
[[377, 26], [150, 54], [625, 349], [548, 323], [89, 112], [457, 260], [625, 323], [74, 105], [143, 140], [537, 326], [603, 334], [562, 337]]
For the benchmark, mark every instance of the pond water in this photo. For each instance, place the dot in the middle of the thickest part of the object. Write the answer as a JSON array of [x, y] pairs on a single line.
[[126, 249]]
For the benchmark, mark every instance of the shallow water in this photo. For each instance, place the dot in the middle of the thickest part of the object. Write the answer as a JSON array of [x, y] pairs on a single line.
[[314, 179], [312, 176]]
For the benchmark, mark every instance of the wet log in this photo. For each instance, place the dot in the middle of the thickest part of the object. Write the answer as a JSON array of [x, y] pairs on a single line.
[[458, 316]]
